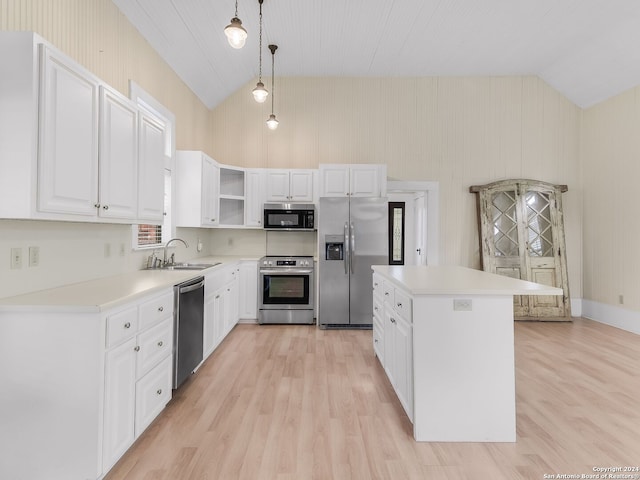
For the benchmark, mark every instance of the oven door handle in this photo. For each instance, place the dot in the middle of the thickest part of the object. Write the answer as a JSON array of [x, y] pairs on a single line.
[[285, 272]]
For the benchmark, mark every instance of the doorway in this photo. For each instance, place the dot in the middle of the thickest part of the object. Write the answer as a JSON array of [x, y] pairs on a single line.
[[421, 216]]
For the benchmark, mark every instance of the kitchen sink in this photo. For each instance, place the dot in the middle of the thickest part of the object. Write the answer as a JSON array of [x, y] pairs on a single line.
[[187, 266]]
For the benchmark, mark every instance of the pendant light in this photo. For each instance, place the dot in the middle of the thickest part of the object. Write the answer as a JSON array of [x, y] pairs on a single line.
[[260, 93], [272, 122], [235, 32]]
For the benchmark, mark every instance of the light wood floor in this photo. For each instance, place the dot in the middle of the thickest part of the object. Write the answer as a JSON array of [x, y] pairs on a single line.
[[296, 402]]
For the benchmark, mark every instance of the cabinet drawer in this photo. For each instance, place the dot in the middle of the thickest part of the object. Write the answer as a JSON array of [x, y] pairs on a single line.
[[155, 310], [377, 306], [387, 292], [154, 344], [402, 304], [121, 326], [153, 392], [378, 338], [377, 285]]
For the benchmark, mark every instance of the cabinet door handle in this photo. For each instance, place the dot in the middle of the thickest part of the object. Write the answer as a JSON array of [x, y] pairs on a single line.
[[160, 343], [160, 309], [399, 304], [127, 325], [217, 296], [159, 391], [392, 320], [105, 207], [96, 205], [137, 348], [386, 294]]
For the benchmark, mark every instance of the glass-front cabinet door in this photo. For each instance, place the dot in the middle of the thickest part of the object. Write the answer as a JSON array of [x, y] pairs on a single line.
[[522, 236]]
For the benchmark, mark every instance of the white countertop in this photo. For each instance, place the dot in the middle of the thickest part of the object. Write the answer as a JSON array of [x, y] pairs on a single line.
[[108, 292], [454, 280]]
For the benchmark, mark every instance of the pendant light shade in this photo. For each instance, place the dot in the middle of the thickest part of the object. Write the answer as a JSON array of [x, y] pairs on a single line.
[[235, 32], [272, 122], [260, 93]]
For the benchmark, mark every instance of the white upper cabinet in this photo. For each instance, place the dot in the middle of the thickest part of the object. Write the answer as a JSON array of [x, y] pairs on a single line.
[[255, 182], [70, 144], [68, 153], [118, 156], [196, 190], [357, 180], [151, 170], [290, 185]]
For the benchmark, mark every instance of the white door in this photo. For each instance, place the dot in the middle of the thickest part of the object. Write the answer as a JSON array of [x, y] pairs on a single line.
[[301, 186], [364, 181], [119, 402], [151, 170], [277, 185], [68, 143], [254, 197], [209, 192], [118, 156]]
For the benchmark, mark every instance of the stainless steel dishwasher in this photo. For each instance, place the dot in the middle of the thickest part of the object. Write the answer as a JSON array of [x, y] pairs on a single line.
[[188, 325]]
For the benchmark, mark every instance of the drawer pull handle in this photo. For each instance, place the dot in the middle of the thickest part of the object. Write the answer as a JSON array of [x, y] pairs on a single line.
[[160, 343], [159, 391], [127, 325], [137, 348], [160, 309], [392, 320], [399, 304], [386, 294]]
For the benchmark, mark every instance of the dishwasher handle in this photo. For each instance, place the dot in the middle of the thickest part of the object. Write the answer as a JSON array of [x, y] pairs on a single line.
[[190, 287]]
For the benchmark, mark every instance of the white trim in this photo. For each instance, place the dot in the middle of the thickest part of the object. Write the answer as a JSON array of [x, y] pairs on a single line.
[[576, 307], [432, 197], [613, 315]]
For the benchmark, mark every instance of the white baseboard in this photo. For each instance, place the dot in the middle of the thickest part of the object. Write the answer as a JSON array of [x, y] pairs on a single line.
[[576, 307], [613, 315], [250, 321]]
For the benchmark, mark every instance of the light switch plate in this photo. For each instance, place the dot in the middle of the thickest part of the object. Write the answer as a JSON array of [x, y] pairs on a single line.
[[16, 258], [34, 256]]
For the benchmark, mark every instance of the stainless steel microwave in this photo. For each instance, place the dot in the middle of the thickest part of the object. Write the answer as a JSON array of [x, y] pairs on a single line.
[[289, 216]]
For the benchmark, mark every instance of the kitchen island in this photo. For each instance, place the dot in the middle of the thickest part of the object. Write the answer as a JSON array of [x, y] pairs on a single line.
[[444, 335]]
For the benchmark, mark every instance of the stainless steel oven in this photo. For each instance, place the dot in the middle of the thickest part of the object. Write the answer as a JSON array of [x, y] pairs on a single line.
[[286, 286]]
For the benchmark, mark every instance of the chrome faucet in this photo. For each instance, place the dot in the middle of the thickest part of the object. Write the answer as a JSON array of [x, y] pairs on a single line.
[[164, 258]]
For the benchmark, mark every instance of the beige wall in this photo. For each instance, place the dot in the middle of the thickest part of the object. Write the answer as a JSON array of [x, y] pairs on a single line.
[[457, 131], [611, 232], [99, 37]]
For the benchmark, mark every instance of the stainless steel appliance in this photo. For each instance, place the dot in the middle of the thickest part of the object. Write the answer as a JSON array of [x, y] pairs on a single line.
[[352, 236], [188, 328], [286, 289], [289, 216]]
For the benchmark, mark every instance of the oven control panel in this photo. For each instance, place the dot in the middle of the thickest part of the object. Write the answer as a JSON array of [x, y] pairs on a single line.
[[286, 262]]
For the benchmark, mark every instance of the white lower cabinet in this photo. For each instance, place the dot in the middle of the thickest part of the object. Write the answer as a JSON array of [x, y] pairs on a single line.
[[248, 290], [393, 339], [138, 372], [221, 305]]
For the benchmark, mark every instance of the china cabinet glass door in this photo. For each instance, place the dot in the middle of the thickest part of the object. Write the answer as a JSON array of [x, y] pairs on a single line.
[[522, 236]]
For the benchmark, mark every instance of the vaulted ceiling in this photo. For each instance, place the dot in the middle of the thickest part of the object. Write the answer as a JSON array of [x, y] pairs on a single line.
[[589, 50]]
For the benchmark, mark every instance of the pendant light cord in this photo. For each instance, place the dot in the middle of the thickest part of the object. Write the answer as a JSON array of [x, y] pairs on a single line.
[[260, 53], [273, 85], [236, 15]]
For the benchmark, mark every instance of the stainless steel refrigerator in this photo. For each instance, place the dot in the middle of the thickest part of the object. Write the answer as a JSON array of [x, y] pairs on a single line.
[[352, 236]]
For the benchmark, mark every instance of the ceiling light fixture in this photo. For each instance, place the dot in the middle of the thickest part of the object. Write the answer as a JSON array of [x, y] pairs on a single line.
[[235, 32], [272, 122], [260, 93]]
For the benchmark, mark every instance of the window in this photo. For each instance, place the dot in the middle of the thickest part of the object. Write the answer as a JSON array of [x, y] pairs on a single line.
[[396, 233]]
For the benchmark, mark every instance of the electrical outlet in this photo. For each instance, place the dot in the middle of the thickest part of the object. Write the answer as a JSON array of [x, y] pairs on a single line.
[[107, 250], [34, 256], [462, 305], [16, 258], [621, 299]]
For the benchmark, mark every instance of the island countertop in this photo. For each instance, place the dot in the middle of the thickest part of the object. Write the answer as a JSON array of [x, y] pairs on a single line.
[[456, 280]]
